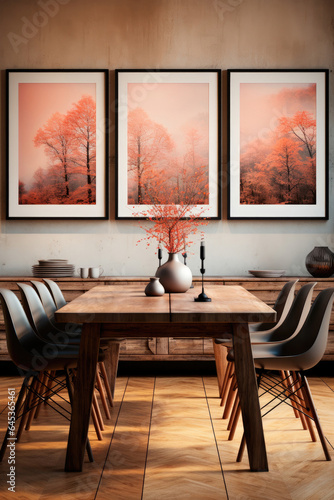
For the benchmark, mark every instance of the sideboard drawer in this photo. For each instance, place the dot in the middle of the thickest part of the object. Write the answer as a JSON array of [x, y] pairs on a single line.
[[186, 345], [139, 346]]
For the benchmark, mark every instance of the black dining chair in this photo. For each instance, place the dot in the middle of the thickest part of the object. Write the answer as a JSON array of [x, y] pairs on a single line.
[[36, 360], [112, 344], [48, 331], [56, 293], [291, 325], [50, 308], [293, 357], [282, 306]]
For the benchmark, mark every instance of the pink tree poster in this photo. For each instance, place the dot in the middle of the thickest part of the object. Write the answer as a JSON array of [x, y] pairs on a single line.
[[57, 147], [168, 141], [58, 164], [278, 144]]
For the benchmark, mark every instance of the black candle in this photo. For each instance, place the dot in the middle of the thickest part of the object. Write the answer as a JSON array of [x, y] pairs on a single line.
[[202, 251], [159, 253]]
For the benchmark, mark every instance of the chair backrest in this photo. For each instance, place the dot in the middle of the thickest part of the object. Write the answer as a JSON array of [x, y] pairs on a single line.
[[46, 299], [56, 293], [35, 311], [25, 347], [282, 307], [311, 341], [20, 336], [296, 316], [284, 301]]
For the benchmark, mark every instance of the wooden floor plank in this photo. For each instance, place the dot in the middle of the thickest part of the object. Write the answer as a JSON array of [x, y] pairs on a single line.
[[323, 398], [253, 485], [41, 457], [298, 469], [329, 381], [182, 459], [123, 474]]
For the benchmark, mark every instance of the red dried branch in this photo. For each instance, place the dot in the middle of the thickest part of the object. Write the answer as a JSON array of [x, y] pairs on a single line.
[[172, 226]]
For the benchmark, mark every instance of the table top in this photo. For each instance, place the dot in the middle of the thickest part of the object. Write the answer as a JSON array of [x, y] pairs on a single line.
[[117, 304]]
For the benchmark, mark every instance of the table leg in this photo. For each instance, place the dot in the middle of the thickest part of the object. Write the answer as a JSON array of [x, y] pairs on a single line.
[[83, 394], [249, 400]]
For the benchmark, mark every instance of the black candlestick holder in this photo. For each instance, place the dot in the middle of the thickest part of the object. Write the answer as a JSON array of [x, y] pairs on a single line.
[[202, 296], [184, 255]]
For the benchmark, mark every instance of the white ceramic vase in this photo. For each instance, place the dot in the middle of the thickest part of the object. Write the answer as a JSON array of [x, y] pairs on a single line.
[[174, 276], [154, 288]]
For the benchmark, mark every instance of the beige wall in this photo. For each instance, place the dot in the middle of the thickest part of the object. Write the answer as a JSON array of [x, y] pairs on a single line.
[[164, 34]]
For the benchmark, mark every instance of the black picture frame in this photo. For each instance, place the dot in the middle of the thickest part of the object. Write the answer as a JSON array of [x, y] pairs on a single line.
[[51, 172], [146, 82], [265, 109]]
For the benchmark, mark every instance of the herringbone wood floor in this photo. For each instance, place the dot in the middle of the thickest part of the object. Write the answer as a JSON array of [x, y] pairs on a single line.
[[166, 440]]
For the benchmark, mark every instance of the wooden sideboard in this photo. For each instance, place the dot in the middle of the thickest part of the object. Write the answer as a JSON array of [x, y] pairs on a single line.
[[162, 349]]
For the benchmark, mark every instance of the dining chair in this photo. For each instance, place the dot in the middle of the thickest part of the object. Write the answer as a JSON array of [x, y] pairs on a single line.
[[113, 344], [47, 331], [35, 359], [74, 330], [282, 306], [39, 319], [50, 308], [291, 325], [56, 293], [294, 356], [46, 299]]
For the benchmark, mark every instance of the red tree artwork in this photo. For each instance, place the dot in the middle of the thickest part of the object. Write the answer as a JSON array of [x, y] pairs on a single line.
[[69, 144], [279, 166], [157, 174]]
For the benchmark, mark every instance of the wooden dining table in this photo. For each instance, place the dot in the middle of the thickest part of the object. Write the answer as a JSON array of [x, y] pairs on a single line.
[[116, 312]]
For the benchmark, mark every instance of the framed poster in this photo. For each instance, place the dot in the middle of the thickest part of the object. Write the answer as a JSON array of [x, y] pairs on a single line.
[[278, 144], [168, 141], [57, 149]]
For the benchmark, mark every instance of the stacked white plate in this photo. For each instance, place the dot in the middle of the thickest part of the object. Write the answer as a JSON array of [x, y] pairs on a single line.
[[53, 268], [268, 273]]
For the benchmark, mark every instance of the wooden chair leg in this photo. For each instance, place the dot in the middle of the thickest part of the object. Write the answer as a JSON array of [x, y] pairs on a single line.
[[106, 383], [310, 404], [96, 424], [225, 379], [235, 420], [241, 448], [50, 384], [26, 407], [295, 401], [227, 383], [34, 401], [220, 352], [98, 412], [234, 411], [304, 408], [284, 376], [102, 395], [230, 397], [43, 392]]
